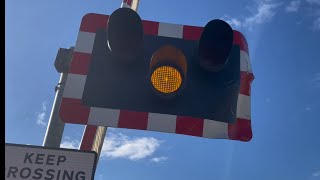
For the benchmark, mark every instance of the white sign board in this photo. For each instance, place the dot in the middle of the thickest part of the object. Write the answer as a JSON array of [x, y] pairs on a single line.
[[37, 162]]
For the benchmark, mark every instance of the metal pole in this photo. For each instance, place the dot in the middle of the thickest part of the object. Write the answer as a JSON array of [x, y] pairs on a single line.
[[55, 126]]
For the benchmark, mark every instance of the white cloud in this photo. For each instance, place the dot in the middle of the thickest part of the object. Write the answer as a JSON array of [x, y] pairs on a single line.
[[40, 119], [264, 13], [234, 22], [265, 10], [293, 6], [41, 116], [314, 10], [70, 144], [316, 174], [44, 108], [121, 146], [159, 159]]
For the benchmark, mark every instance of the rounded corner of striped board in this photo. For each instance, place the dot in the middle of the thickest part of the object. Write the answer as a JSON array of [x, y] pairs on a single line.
[[91, 22], [241, 130], [239, 38], [73, 111]]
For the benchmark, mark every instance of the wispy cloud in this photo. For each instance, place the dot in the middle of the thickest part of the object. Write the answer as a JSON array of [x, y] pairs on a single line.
[[70, 144], [265, 11], [122, 146], [41, 115], [317, 2], [233, 21], [293, 6], [308, 109], [100, 177], [316, 174], [314, 8], [159, 159], [316, 24], [316, 79]]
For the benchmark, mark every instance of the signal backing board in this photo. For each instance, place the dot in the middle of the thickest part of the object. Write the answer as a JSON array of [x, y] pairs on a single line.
[[73, 110]]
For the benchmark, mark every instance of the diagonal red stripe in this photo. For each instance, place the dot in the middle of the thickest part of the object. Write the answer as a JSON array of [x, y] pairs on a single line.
[[192, 32], [80, 63], [73, 111], [240, 130], [245, 83], [88, 138], [189, 126], [92, 22], [133, 120], [150, 27]]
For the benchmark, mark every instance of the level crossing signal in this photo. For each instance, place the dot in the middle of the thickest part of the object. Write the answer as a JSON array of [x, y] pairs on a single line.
[[131, 73]]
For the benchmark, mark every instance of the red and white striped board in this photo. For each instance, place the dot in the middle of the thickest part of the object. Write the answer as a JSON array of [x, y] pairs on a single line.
[[73, 111]]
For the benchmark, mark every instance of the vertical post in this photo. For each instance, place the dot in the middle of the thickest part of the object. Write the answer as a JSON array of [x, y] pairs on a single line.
[[98, 141], [88, 138], [55, 126], [92, 139]]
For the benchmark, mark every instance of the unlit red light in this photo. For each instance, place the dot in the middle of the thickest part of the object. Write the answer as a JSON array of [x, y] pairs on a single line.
[[166, 79]]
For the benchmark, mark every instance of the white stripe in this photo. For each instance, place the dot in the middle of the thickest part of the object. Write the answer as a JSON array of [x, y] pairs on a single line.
[[215, 129], [170, 30], [85, 42], [104, 117], [162, 122], [245, 64], [74, 86], [244, 107]]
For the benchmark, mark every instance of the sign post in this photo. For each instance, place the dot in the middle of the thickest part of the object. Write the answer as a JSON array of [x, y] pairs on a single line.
[[37, 162], [55, 126]]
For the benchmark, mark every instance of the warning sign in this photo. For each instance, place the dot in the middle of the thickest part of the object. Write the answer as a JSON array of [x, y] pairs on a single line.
[[37, 162]]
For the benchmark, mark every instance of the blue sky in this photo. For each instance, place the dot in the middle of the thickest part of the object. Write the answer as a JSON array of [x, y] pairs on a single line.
[[284, 45]]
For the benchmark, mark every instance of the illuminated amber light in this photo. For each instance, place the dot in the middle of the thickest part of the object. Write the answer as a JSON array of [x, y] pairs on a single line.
[[166, 79]]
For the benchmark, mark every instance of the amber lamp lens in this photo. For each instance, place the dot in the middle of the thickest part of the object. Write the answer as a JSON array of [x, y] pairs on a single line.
[[166, 79]]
